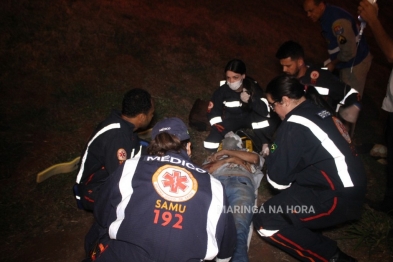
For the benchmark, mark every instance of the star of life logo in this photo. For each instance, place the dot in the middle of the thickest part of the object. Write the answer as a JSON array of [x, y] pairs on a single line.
[[174, 183], [314, 75]]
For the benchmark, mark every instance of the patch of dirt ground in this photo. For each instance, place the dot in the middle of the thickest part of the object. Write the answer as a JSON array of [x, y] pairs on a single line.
[[66, 63]]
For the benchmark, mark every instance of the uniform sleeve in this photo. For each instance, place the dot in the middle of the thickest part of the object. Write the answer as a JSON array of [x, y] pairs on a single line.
[[119, 148], [229, 236], [215, 108], [346, 39], [286, 155], [103, 208]]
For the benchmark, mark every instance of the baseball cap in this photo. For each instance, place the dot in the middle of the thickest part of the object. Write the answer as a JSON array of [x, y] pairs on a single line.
[[171, 125]]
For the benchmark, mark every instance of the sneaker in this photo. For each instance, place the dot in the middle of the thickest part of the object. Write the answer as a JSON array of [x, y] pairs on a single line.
[[341, 257]]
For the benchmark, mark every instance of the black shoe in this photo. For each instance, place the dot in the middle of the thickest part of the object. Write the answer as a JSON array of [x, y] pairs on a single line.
[[341, 257]]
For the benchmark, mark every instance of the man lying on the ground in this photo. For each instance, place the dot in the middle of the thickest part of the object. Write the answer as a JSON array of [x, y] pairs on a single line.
[[240, 173]]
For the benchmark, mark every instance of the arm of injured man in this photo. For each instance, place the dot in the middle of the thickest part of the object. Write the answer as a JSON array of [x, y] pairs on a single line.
[[250, 157], [211, 167]]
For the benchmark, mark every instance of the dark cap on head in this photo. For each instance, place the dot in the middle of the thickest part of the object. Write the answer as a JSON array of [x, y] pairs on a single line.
[[172, 125]]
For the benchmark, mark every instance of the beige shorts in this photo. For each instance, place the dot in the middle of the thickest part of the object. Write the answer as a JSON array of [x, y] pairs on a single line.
[[357, 78]]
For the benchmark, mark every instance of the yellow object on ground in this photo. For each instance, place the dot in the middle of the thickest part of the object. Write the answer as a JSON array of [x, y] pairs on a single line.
[[68, 167], [58, 169]]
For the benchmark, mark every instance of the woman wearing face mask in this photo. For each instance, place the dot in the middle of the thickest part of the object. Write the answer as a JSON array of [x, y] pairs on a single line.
[[239, 103]]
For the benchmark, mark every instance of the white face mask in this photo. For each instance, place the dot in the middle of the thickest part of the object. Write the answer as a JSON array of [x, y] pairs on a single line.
[[235, 85]]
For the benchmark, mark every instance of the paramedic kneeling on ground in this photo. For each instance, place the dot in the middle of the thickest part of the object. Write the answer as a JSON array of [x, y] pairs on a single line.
[[321, 178], [161, 207], [239, 103]]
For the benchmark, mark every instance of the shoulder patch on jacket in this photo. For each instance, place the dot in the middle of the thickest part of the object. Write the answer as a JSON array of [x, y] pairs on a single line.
[[314, 76], [324, 113], [121, 155]]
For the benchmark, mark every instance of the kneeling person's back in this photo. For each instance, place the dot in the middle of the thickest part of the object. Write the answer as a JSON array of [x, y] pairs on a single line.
[[162, 207]]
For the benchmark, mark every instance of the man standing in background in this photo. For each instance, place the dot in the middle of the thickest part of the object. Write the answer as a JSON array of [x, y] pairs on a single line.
[[348, 51]]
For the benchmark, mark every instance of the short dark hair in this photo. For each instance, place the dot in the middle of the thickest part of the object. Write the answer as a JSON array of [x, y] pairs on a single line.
[[237, 66], [290, 49], [164, 142], [136, 101]]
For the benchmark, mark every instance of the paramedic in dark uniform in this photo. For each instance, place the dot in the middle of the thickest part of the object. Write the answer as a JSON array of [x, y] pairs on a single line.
[[320, 178], [112, 142], [341, 97], [232, 107], [162, 207], [351, 58]]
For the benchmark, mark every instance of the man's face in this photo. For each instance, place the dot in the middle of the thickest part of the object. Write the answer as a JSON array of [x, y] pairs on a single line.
[[314, 12], [290, 67]]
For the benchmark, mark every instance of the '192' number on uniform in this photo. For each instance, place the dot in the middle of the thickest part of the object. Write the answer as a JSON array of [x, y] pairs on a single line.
[[167, 218]]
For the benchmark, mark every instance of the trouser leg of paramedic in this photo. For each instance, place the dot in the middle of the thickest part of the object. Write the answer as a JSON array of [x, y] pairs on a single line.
[[357, 78], [213, 140], [241, 198], [288, 219]]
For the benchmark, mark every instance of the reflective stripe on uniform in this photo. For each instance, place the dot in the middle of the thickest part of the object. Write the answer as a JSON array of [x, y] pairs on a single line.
[[213, 215], [323, 91], [266, 233], [352, 91], [232, 104], [259, 125], [342, 102], [126, 190], [275, 185], [333, 51], [328, 144], [215, 120], [266, 102], [103, 130], [267, 105], [210, 145]]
